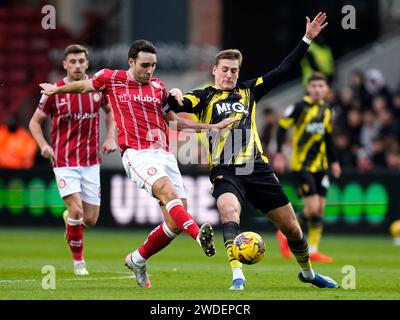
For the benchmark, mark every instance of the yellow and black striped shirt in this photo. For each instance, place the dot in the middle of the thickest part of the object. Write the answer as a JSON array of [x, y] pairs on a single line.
[[240, 144], [312, 135]]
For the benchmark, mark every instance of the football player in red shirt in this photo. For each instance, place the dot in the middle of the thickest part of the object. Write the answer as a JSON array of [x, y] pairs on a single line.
[[139, 102], [74, 152]]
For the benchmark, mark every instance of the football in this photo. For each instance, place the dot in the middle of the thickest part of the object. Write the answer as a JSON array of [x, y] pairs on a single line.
[[248, 247], [395, 229]]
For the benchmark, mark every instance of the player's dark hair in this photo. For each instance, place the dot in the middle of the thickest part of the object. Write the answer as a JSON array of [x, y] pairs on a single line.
[[318, 76], [141, 45], [75, 48], [230, 54]]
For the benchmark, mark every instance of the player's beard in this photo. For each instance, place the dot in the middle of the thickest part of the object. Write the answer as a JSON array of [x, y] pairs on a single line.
[[145, 79], [77, 76]]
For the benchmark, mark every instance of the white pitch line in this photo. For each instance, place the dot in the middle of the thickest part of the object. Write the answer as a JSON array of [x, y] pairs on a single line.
[[16, 281], [97, 279], [71, 279]]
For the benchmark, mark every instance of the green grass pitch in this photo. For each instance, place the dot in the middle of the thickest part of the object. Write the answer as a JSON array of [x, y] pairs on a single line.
[[182, 271]]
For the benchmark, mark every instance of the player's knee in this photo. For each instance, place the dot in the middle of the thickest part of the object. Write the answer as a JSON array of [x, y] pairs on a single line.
[[293, 232], [164, 191], [229, 213], [90, 222], [75, 210], [313, 209]]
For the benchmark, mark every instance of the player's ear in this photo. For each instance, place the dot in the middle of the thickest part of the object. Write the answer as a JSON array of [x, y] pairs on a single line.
[[214, 70], [65, 64], [131, 62]]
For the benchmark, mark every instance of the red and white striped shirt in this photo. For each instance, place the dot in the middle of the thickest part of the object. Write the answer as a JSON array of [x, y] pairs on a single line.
[[138, 109], [74, 126]]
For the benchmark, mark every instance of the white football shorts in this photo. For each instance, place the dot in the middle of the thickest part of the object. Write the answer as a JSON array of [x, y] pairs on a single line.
[[145, 167], [82, 180]]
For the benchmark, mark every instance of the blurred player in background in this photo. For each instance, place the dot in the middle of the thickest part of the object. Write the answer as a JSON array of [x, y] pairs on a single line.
[[312, 152], [239, 169], [75, 153], [140, 111]]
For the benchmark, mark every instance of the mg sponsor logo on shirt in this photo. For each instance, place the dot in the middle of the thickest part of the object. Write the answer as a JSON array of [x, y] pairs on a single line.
[[228, 107], [315, 128]]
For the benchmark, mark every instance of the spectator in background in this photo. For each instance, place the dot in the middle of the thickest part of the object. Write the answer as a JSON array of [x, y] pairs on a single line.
[[369, 131], [396, 105], [17, 147], [346, 102], [375, 86], [346, 158], [358, 88], [389, 126], [378, 153], [353, 127], [392, 160], [379, 103], [269, 131]]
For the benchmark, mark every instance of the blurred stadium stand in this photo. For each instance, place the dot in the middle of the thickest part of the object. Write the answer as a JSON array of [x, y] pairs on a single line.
[[187, 34]]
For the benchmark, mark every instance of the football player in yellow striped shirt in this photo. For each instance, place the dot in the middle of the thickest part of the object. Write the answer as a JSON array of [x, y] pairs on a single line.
[[239, 170], [312, 152]]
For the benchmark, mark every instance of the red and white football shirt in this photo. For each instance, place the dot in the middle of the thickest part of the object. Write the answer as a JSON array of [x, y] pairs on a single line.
[[138, 109], [74, 126]]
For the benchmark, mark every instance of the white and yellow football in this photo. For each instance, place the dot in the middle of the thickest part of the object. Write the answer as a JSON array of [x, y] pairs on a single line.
[[248, 247]]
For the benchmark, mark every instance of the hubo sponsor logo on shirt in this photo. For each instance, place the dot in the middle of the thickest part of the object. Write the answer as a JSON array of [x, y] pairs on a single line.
[[229, 107], [315, 128], [78, 116], [138, 98]]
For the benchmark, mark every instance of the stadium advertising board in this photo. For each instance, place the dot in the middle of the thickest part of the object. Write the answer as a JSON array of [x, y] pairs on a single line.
[[355, 203]]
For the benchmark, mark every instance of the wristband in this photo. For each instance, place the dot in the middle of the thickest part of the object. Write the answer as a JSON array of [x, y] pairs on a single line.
[[306, 40]]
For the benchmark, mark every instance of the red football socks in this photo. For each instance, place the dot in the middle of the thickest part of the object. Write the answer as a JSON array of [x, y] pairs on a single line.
[[158, 239], [75, 238], [182, 218]]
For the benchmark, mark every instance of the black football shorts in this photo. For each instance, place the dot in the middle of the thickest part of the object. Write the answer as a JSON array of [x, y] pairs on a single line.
[[261, 188]]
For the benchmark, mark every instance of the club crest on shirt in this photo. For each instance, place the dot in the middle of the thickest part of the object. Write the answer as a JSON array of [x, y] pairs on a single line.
[[96, 97], [155, 84]]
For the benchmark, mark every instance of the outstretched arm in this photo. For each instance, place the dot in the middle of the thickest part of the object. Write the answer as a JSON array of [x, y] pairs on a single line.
[[83, 86], [182, 123], [275, 76]]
